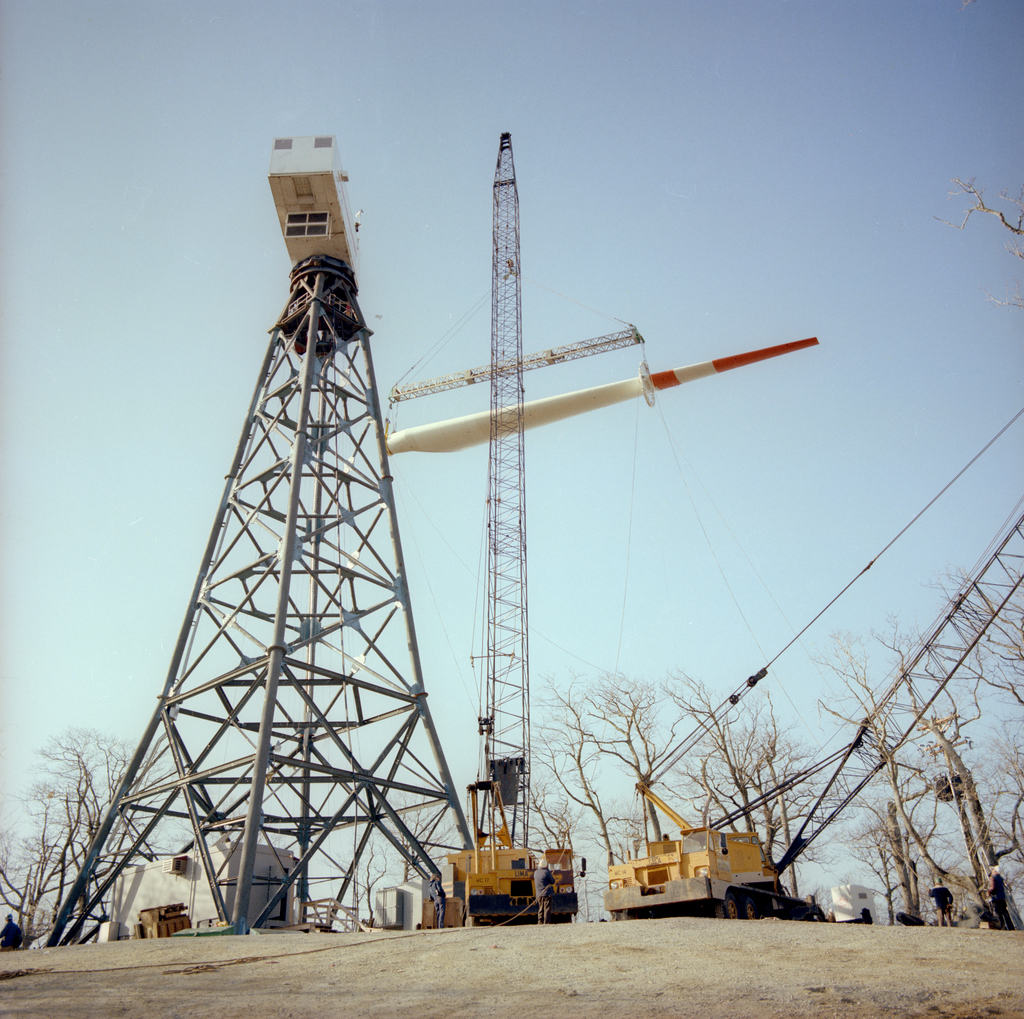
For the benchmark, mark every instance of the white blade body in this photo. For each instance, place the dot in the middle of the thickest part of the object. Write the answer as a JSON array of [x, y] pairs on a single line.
[[474, 429]]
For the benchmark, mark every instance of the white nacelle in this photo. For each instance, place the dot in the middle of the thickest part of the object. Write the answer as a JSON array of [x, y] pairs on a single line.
[[308, 185]]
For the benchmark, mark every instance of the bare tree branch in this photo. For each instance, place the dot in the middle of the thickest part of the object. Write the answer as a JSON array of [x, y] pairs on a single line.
[[1015, 224], [78, 772]]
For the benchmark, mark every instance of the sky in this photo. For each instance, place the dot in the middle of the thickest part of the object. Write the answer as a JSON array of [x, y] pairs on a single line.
[[723, 176]]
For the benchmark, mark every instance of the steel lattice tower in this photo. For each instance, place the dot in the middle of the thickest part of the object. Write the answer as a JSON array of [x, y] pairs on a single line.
[[507, 723], [294, 711]]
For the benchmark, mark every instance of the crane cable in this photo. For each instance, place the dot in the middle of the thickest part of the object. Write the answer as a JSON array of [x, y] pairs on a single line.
[[676, 453], [629, 536], [707, 538], [689, 742], [963, 470], [446, 337], [572, 300], [427, 575]]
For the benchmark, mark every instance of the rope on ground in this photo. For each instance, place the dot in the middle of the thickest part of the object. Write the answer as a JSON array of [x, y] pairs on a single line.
[[517, 915], [209, 967]]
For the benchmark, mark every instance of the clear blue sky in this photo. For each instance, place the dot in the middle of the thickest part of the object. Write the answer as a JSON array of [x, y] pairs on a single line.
[[725, 176]]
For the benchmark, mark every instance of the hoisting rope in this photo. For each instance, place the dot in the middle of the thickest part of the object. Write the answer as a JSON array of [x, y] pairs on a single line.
[[963, 470], [629, 535], [703, 727], [572, 300], [677, 453], [445, 337], [410, 490]]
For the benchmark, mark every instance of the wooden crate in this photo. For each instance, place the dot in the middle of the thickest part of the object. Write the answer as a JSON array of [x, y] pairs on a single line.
[[167, 928], [452, 913], [163, 921], [158, 913]]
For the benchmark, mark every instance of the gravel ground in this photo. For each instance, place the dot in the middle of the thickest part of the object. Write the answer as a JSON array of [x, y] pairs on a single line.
[[704, 969]]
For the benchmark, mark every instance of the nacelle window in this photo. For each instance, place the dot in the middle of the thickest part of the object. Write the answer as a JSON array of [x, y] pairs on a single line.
[[308, 224]]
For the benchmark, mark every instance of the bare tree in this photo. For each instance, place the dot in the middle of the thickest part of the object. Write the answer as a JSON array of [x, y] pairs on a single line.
[[558, 815], [628, 725], [906, 840], [433, 827], [1009, 822], [869, 842], [979, 741], [373, 865], [1012, 219], [1003, 653], [741, 758], [915, 827], [563, 746], [79, 770], [981, 852], [615, 724], [986, 684]]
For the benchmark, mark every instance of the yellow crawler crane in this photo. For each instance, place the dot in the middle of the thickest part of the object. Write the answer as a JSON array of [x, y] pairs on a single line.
[[702, 873], [495, 880]]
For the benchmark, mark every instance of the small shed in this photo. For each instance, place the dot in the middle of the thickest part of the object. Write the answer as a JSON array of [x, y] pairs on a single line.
[[400, 907], [850, 901]]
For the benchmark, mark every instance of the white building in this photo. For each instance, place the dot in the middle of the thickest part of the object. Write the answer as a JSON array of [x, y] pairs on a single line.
[[401, 907], [181, 879], [308, 184]]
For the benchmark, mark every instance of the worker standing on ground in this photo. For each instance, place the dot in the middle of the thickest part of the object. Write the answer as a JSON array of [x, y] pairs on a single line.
[[10, 937], [437, 896], [544, 889], [943, 899], [997, 896]]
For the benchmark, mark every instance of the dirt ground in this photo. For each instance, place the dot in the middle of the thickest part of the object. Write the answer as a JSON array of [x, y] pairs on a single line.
[[703, 969]]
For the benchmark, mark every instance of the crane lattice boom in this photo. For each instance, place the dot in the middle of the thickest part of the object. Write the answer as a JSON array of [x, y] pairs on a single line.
[[910, 695], [506, 724], [556, 355]]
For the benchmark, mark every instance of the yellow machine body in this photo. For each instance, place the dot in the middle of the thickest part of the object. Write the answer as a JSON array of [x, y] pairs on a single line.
[[494, 880], [704, 872], [696, 853]]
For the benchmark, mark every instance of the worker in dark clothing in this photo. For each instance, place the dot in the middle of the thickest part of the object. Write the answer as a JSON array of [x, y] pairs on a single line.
[[437, 896], [997, 896], [10, 936], [544, 889], [943, 899]]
